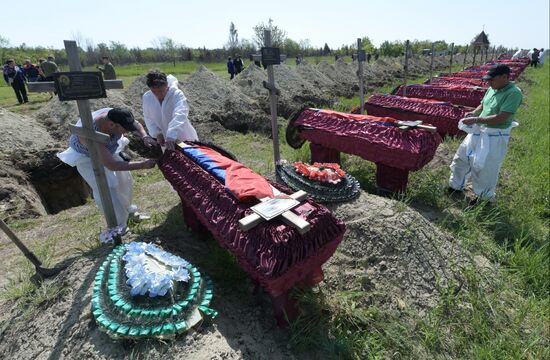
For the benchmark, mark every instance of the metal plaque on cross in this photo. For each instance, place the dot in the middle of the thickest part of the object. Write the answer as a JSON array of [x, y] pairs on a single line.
[[76, 85], [270, 56]]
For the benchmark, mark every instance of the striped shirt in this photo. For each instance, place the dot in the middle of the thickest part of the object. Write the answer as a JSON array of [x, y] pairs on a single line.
[[76, 145]]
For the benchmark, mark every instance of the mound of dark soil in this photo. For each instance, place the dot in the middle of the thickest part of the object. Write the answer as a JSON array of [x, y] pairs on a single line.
[[213, 99], [347, 83], [296, 91], [393, 254]]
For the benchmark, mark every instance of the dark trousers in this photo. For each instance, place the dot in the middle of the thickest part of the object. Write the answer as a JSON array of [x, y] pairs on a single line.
[[232, 75], [20, 91]]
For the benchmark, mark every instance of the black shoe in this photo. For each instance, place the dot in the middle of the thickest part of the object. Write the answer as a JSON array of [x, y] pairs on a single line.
[[453, 191]]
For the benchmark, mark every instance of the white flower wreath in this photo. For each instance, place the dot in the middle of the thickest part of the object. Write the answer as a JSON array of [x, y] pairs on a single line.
[[152, 270]]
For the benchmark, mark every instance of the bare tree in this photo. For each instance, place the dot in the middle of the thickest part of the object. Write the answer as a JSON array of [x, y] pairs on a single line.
[[233, 42], [167, 47], [278, 36]]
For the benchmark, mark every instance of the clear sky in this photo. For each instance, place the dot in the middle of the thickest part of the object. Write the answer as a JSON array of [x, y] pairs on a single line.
[[198, 23]]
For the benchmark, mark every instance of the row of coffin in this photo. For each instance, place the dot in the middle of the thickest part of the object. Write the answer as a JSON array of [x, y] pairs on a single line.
[[443, 100], [378, 136]]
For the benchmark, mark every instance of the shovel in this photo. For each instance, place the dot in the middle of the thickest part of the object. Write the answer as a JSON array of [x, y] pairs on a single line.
[[41, 271], [406, 125]]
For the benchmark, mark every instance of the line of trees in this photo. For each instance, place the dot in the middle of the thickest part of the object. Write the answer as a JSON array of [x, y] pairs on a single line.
[[165, 49]]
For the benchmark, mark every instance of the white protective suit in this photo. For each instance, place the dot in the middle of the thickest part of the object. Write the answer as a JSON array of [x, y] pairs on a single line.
[[120, 182], [171, 117], [480, 157], [517, 54], [542, 56]]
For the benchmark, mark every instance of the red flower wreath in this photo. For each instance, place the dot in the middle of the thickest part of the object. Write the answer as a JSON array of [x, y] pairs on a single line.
[[323, 172]]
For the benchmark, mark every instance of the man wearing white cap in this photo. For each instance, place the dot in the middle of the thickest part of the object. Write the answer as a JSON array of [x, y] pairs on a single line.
[[481, 153]]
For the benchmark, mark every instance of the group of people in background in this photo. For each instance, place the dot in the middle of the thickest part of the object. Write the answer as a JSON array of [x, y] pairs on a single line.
[[17, 76], [536, 56], [234, 66]]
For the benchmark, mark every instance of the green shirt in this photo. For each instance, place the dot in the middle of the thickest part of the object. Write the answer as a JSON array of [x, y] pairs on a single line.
[[506, 99], [108, 72], [48, 68]]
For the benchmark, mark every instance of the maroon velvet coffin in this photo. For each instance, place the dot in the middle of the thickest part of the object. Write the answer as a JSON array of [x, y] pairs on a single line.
[[458, 95], [475, 74], [395, 152], [450, 81], [274, 254], [443, 115]]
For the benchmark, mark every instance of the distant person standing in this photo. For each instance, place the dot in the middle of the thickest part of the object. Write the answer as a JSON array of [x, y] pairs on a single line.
[[108, 69], [49, 67], [230, 68], [41, 76], [542, 56], [535, 58], [30, 70], [239, 64], [14, 76]]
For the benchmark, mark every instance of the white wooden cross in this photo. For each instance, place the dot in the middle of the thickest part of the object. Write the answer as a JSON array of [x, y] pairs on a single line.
[[93, 138], [290, 218]]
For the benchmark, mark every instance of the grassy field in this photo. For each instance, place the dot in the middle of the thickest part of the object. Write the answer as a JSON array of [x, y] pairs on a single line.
[[502, 317]]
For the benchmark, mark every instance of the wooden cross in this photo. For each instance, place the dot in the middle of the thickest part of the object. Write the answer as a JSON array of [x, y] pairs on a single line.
[[451, 60], [432, 63], [360, 76], [406, 68], [93, 139], [273, 92]]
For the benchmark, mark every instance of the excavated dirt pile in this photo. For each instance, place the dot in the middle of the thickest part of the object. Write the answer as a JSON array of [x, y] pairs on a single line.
[[213, 99], [33, 181], [343, 76], [394, 255], [296, 91]]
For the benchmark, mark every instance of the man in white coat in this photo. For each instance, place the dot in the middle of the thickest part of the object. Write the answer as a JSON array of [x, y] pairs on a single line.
[[166, 112]]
